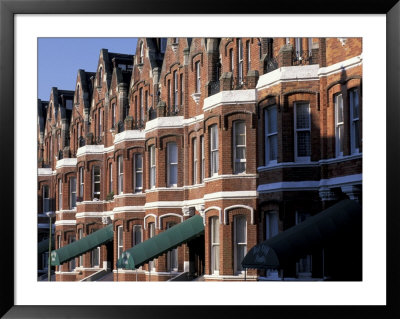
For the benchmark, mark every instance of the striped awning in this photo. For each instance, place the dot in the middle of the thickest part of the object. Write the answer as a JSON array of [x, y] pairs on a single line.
[[167, 240], [82, 246]]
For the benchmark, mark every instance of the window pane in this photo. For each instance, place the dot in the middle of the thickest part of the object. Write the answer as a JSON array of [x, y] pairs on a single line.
[[356, 134], [138, 162], [172, 153], [272, 224], [240, 153], [173, 174], [302, 116], [273, 147], [272, 119], [303, 143]]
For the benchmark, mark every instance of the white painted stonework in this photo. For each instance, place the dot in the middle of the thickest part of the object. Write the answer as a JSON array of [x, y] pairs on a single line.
[[164, 123], [343, 65], [287, 74], [230, 195], [65, 222], [45, 172], [235, 97], [129, 135], [66, 162], [123, 209], [90, 149]]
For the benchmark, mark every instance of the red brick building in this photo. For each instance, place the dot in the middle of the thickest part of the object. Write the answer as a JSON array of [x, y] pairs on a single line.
[[253, 134]]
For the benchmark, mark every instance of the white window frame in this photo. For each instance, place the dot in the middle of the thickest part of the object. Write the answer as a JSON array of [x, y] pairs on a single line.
[[240, 61], [194, 181], [170, 164], [176, 91], [120, 175], [353, 120], [235, 146], [238, 267], [152, 233], [309, 40], [152, 166], [93, 261], [81, 182], [136, 172], [94, 194], [110, 177], [120, 241], [214, 245], [298, 46], [198, 77], [141, 105], [113, 118], [60, 201], [72, 192], [268, 135], [80, 236], [203, 160], [134, 232], [46, 200], [172, 255], [301, 158], [214, 160], [339, 140]]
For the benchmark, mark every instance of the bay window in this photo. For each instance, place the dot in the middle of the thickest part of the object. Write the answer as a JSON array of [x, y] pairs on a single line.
[[240, 61], [339, 125], [152, 166], [81, 183], [214, 240], [239, 151], [46, 199], [136, 235], [194, 161], [302, 131], [138, 172], [198, 76], [60, 194], [240, 240], [172, 160], [120, 174], [120, 242], [96, 182], [172, 256], [271, 134], [214, 149], [72, 192], [355, 121], [203, 160]]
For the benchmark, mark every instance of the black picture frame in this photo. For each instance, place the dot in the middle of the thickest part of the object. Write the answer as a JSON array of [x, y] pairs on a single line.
[[8, 10]]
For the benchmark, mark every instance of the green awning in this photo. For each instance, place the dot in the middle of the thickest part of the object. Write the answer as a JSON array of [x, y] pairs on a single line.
[[43, 245], [82, 246], [154, 247], [321, 230]]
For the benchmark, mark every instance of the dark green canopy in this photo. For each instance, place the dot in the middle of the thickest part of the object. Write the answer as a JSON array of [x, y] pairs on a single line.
[[82, 246], [43, 245], [316, 232], [152, 248]]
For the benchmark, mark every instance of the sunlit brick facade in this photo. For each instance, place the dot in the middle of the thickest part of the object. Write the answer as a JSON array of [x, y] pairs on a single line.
[[253, 134]]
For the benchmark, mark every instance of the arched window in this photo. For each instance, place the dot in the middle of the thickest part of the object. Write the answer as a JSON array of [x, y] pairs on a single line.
[[271, 134], [214, 240], [214, 150], [239, 151], [172, 159], [138, 172], [240, 61], [152, 166], [120, 174], [240, 240], [96, 182]]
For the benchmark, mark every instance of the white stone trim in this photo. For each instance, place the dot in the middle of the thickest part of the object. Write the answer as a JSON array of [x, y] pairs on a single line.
[[164, 204], [240, 277], [193, 186], [66, 211], [164, 123], [109, 149], [238, 206], [90, 202], [310, 185], [45, 172], [229, 176], [193, 120], [155, 220], [162, 189], [67, 222], [235, 97], [127, 195], [309, 164], [66, 162], [90, 149], [288, 74], [168, 214], [214, 208], [123, 209], [230, 195], [129, 135], [95, 214], [342, 65]]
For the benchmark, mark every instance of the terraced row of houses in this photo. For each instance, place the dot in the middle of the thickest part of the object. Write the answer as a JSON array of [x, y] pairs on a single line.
[[250, 135]]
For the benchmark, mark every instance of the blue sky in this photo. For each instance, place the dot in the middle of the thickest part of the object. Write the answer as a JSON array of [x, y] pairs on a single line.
[[60, 58]]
